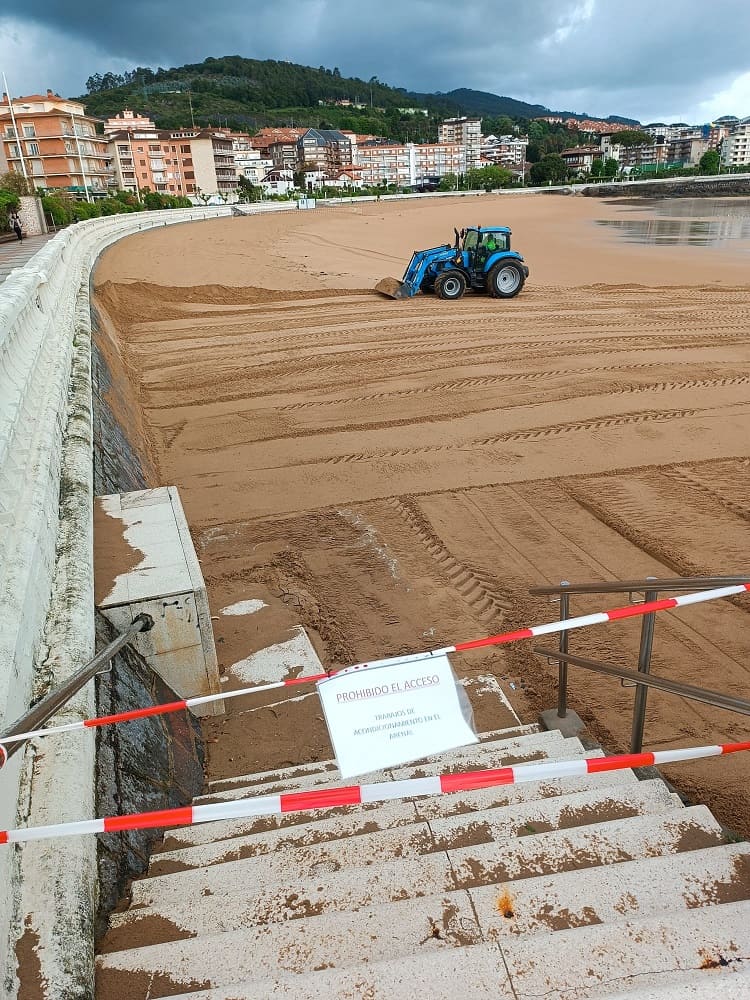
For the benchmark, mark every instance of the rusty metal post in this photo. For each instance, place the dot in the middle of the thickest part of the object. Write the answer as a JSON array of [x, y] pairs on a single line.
[[644, 667], [562, 667]]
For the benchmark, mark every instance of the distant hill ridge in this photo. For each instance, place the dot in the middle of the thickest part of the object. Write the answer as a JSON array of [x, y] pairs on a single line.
[[250, 92]]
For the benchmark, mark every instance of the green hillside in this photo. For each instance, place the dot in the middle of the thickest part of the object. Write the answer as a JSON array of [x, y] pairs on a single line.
[[477, 102], [247, 94]]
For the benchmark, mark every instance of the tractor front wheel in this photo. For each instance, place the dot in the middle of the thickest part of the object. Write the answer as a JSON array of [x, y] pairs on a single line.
[[505, 280], [450, 285]]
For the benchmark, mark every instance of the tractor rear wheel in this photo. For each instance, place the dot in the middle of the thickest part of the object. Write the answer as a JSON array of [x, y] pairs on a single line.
[[505, 280], [450, 285]]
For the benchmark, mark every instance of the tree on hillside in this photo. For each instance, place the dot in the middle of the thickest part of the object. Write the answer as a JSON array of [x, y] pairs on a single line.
[[597, 168], [710, 162], [550, 168], [632, 137]]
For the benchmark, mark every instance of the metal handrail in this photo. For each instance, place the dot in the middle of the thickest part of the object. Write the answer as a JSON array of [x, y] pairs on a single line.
[[40, 713], [650, 587], [715, 698], [636, 586]]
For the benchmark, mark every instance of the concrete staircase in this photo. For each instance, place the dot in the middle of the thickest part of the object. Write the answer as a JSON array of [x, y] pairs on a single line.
[[603, 886]]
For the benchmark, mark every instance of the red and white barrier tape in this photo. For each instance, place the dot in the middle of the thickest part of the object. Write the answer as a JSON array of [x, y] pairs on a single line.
[[566, 624], [352, 795]]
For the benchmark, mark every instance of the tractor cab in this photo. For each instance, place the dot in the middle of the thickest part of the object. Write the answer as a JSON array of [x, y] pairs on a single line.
[[479, 243]]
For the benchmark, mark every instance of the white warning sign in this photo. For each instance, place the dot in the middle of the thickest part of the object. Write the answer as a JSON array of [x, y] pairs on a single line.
[[400, 711]]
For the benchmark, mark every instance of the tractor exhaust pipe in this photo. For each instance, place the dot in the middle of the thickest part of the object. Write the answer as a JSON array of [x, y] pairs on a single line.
[[392, 288]]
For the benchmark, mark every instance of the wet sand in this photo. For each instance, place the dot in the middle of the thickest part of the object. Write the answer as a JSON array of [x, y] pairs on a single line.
[[396, 475]]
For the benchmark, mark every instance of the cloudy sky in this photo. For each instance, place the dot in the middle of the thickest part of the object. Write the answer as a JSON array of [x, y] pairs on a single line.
[[664, 60]]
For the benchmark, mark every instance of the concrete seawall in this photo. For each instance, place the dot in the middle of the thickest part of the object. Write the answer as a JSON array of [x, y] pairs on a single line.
[[51, 453]]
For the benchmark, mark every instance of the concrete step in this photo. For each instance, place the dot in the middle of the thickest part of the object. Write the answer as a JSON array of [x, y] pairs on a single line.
[[492, 753], [433, 975], [652, 959], [716, 984], [591, 804], [387, 814], [427, 808], [611, 958], [283, 774], [549, 964], [529, 906], [606, 895], [673, 832], [339, 939]]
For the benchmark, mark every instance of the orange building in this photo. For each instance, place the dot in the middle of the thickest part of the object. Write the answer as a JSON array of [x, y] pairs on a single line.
[[182, 162], [54, 143]]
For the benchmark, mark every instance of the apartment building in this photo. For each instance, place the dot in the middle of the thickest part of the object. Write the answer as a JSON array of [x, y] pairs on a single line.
[[688, 148], [327, 150], [408, 164], [279, 145], [580, 158], [650, 157], [249, 161], [53, 142], [181, 162], [505, 151], [735, 150], [466, 132]]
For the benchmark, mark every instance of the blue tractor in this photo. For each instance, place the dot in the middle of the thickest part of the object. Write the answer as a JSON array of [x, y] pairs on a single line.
[[481, 258]]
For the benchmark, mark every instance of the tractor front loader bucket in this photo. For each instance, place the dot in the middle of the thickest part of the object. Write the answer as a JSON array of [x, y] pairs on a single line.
[[393, 288]]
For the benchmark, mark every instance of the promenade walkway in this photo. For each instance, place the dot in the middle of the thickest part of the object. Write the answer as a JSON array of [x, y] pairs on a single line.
[[17, 253]]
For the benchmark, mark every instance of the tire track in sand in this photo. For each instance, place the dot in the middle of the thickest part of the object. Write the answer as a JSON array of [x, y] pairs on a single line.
[[480, 593]]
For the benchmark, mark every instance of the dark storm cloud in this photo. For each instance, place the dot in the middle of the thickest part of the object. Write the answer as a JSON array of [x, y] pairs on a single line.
[[589, 55]]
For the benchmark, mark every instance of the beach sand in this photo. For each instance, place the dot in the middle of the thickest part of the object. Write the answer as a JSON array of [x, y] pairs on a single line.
[[394, 476]]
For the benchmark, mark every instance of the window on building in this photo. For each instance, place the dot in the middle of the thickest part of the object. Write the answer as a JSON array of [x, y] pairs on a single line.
[[32, 148], [189, 175], [10, 132], [37, 168], [13, 148], [154, 149], [139, 148], [143, 164], [184, 149], [29, 131]]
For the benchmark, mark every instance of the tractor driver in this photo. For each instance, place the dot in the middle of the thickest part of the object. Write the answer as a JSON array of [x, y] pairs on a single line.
[[490, 242]]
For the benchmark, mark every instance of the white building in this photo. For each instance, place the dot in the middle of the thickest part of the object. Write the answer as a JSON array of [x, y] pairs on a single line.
[[278, 181], [505, 150], [467, 132], [409, 164], [249, 162], [128, 121], [735, 149]]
